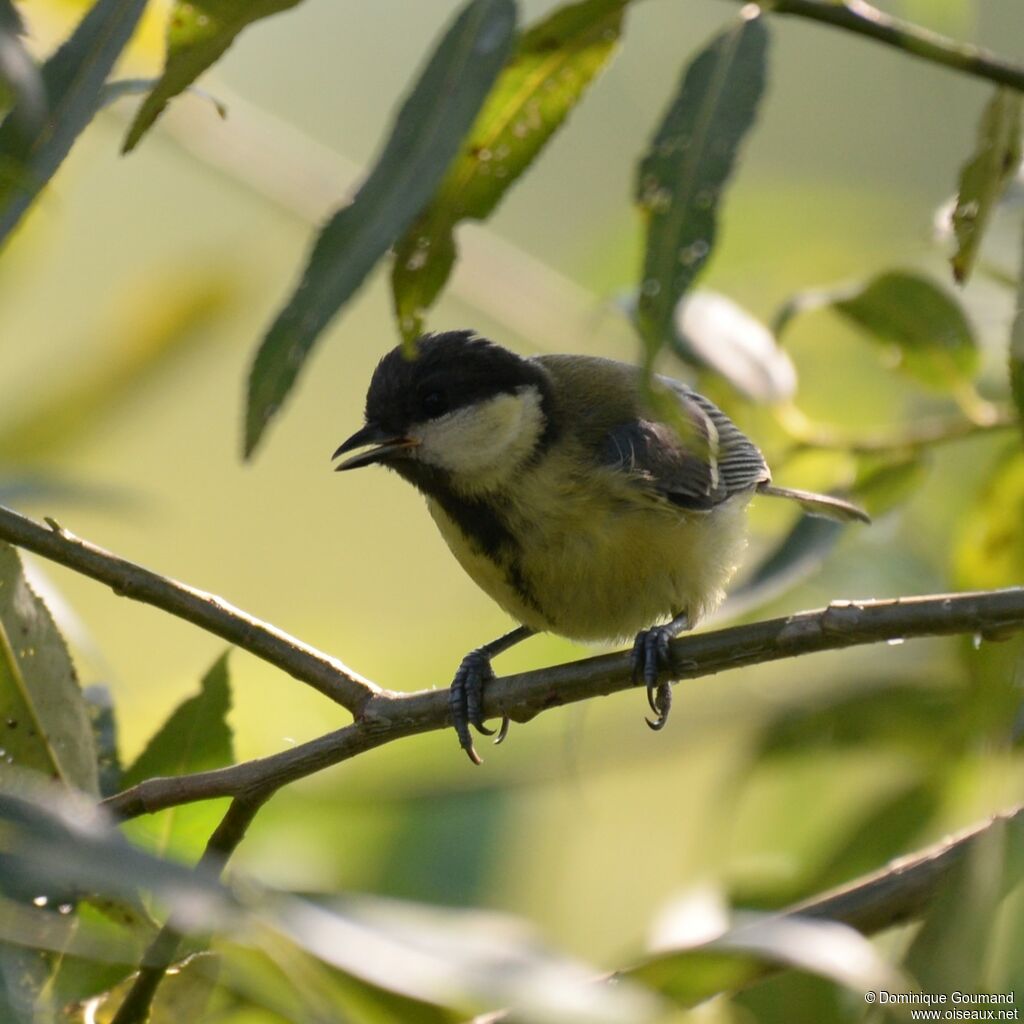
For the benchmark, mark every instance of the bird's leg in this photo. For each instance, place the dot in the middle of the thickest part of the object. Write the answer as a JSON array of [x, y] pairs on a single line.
[[650, 655], [465, 697]]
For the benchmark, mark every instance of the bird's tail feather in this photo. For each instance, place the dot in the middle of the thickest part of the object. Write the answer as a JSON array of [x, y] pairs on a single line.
[[825, 506]]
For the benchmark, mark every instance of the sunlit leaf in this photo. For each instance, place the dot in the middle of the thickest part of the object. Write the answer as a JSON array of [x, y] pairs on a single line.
[[923, 325], [198, 33], [680, 179], [714, 332], [984, 176], [73, 78], [990, 549], [691, 965], [18, 71], [428, 130], [544, 79], [195, 738], [44, 721]]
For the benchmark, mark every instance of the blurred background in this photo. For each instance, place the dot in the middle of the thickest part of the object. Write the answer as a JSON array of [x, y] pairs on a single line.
[[132, 301]]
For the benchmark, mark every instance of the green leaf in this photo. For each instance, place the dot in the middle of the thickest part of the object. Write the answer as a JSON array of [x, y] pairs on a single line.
[[104, 732], [434, 119], [18, 71], [44, 721], [198, 33], [1017, 346], [989, 552], [984, 176], [690, 159], [544, 79], [73, 78], [923, 324], [884, 482], [195, 738]]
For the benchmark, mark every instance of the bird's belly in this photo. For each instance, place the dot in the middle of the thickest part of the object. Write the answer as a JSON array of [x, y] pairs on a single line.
[[605, 573]]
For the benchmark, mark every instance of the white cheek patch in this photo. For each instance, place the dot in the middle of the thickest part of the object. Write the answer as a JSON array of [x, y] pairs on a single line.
[[482, 445]]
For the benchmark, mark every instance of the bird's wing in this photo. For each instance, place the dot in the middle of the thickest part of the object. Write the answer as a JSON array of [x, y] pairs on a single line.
[[696, 472]]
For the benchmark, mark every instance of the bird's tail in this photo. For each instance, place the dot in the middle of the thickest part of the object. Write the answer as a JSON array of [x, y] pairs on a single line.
[[825, 506]]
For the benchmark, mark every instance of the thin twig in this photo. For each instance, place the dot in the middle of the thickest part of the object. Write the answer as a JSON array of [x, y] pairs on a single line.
[[160, 955], [862, 19], [212, 613], [390, 716]]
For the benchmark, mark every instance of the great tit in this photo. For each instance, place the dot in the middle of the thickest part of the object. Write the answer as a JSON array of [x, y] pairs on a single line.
[[573, 507]]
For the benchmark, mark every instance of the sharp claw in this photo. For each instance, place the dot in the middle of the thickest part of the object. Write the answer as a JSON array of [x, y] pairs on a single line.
[[473, 755], [650, 656], [650, 698], [486, 730], [657, 725], [503, 730]]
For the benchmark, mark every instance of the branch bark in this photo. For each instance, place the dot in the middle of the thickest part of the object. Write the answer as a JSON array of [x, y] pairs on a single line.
[[324, 673], [390, 716], [862, 19]]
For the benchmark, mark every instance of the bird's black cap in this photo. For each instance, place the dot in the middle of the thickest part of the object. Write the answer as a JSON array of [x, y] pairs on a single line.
[[448, 371]]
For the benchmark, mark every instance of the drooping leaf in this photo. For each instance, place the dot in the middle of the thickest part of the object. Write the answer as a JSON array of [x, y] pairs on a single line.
[[73, 78], [984, 176], [697, 959], [195, 738], [428, 130], [1017, 346], [714, 332], [922, 324], [680, 179], [990, 549], [44, 720], [19, 77], [546, 76], [198, 33]]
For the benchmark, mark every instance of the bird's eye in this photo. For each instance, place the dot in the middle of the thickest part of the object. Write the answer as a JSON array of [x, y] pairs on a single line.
[[434, 403]]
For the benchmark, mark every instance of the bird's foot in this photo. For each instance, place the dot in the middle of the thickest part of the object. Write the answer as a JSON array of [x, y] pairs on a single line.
[[465, 699], [650, 658]]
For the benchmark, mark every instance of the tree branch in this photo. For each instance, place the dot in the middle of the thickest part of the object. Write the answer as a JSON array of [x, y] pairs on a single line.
[[390, 716], [160, 955], [209, 612], [861, 18], [902, 890]]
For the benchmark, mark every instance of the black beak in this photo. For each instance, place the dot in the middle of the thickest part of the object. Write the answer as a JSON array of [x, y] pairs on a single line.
[[385, 446]]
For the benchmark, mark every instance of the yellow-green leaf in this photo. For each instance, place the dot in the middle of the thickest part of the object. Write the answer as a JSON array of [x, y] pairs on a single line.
[[984, 176], [990, 549], [44, 721], [553, 63], [1017, 346], [198, 33]]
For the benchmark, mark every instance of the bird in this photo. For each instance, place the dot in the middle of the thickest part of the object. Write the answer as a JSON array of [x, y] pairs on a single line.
[[566, 498]]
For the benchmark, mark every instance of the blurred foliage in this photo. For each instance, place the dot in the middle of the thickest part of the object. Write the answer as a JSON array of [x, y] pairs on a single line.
[[775, 784]]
